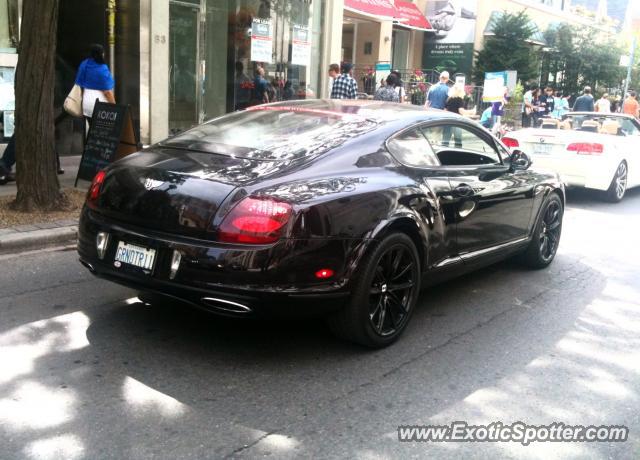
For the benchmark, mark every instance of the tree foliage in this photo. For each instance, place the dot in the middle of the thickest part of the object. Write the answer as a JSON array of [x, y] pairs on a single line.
[[583, 56], [36, 170], [508, 48]]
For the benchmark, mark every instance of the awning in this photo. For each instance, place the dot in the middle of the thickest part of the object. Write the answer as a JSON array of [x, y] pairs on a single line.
[[408, 15], [376, 9]]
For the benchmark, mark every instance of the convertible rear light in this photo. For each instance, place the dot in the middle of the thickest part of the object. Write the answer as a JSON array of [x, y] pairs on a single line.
[[510, 142], [94, 190], [586, 148], [255, 221]]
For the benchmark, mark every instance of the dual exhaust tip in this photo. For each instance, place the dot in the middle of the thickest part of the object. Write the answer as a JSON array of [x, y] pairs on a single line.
[[225, 306]]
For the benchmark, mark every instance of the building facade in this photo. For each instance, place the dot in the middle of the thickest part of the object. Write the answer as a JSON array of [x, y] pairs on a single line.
[[180, 62]]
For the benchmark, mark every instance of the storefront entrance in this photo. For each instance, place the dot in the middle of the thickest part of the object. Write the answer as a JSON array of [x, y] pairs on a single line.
[[216, 47]]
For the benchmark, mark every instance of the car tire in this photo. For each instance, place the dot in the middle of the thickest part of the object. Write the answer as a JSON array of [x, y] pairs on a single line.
[[546, 234], [618, 186], [383, 295]]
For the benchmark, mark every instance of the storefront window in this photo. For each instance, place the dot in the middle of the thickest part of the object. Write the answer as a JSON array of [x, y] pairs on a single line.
[[8, 26], [216, 48], [283, 37]]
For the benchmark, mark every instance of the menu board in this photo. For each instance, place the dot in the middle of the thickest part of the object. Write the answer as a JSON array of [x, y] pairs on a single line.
[[261, 41], [111, 136]]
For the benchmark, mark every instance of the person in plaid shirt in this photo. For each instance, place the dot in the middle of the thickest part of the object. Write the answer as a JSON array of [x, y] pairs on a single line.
[[344, 86]]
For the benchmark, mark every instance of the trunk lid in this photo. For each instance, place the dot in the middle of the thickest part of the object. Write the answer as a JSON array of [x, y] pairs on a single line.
[[174, 191]]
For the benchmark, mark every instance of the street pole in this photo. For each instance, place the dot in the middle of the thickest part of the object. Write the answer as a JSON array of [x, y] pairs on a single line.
[[111, 34], [630, 67]]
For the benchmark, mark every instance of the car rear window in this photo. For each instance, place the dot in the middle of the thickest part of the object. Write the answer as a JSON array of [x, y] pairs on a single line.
[[274, 133]]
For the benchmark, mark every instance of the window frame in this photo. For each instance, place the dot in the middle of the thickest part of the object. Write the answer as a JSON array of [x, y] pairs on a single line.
[[477, 130], [400, 133]]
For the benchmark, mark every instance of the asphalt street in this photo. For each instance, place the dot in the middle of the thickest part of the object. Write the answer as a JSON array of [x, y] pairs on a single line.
[[87, 371]]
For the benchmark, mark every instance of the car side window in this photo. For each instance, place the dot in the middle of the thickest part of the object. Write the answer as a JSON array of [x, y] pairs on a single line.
[[628, 127], [458, 146], [411, 148]]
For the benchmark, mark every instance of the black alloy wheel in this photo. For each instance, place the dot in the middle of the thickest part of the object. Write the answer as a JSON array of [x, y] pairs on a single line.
[[618, 186], [546, 236], [392, 290], [384, 294]]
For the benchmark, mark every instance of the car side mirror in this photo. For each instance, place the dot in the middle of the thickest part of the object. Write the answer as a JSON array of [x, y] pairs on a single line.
[[520, 161]]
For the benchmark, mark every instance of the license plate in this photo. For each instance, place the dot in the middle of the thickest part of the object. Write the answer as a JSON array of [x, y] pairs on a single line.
[[542, 149], [137, 256]]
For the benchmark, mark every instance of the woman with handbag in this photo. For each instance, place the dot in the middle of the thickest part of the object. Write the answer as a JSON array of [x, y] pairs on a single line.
[[95, 81]]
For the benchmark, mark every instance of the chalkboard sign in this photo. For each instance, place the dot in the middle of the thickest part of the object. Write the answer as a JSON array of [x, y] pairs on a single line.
[[111, 136]]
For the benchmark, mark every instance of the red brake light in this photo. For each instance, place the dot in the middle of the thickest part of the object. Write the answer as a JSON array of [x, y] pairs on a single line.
[[255, 221], [586, 148], [510, 142], [96, 184], [324, 273]]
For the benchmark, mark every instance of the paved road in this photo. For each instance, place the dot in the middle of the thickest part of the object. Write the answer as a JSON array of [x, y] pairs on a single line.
[[88, 372]]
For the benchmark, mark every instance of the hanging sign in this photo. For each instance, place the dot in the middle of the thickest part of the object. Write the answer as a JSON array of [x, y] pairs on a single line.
[[261, 41], [301, 46]]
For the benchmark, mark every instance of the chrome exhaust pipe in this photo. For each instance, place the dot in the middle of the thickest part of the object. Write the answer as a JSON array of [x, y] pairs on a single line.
[[88, 265], [225, 306]]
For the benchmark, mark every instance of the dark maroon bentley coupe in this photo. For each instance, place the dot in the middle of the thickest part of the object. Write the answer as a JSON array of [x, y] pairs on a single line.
[[339, 208]]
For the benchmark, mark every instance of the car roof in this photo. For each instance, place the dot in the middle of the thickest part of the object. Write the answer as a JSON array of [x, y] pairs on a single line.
[[374, 110]]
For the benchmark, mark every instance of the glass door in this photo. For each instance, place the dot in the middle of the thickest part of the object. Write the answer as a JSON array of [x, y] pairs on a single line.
[[184, 80], [400, 49]]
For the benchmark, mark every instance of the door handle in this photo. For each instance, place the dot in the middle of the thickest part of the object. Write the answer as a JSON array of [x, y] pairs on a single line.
[[463, 190]]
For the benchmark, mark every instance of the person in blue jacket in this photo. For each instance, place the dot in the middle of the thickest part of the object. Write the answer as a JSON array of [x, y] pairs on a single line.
[[96, 81]]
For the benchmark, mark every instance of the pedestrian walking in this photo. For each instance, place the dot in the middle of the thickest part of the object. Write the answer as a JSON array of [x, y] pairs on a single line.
[[438, 94], [260, 92], [497, 111], [7, 161], [630, 105], [560, 106], [585, 102], [547, 101], [388, 92], [454, 104], [486, 119], [399, 85], [527, 106], [603, 104], [334, 72], [96, 81], [345, 86]]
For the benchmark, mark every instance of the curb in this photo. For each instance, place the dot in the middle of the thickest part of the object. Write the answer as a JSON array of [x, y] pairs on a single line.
[[38, 239]]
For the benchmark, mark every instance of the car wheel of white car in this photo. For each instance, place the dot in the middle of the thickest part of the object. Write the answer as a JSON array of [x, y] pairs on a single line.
[[618, 186]]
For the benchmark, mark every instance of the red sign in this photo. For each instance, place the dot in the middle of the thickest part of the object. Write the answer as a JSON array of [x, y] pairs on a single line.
[[408, 14], [377, 8]]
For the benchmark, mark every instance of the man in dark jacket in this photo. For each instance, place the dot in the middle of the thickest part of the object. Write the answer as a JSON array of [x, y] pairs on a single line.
[[585, 102]]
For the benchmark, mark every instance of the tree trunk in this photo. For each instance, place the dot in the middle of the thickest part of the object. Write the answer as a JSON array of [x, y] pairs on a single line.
[[36, 167]]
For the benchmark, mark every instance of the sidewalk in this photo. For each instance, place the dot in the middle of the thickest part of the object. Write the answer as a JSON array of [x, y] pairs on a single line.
[[69, 164], [47, 234]]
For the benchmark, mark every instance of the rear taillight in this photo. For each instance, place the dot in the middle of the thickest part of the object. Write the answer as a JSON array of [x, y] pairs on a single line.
[[255, 221], [510, 142], [94, 190], [586, 148]]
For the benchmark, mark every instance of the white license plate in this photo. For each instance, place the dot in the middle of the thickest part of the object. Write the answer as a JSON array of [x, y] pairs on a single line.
[[542, 149], [135, 255]]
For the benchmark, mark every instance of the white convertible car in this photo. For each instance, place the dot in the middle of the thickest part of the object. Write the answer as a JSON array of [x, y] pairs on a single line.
[[592, 150]]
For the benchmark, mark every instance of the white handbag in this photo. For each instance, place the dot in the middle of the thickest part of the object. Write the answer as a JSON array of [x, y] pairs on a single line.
[[73, 103]]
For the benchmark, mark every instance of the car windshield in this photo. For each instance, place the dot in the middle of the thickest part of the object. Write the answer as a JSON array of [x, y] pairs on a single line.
[[274, 133], [603, 124]]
